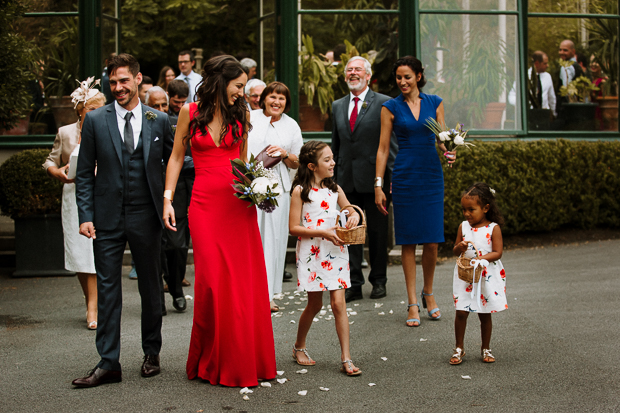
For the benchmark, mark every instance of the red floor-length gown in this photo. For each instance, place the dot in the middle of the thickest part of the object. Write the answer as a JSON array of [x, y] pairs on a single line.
[[232, 338]]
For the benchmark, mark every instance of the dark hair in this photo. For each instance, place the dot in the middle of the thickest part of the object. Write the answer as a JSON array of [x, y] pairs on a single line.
[[189, 52], [212, 94], [538, 56], [276, 87], [483, 193], [310, 153], [161, 82], [582, 58], [178, 87], [124, 60], [146, 80], [339, 50], [415, 65]]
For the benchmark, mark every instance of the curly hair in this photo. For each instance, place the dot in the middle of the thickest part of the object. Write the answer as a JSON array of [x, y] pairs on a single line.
[[310, 153], [212, 95], [484, 196], [415, 64]]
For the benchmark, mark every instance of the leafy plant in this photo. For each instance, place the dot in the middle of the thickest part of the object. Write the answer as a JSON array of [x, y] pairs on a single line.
[[25, 187], [603, 39], [578, 90], [62, 63], [16, 58], [316, 76]]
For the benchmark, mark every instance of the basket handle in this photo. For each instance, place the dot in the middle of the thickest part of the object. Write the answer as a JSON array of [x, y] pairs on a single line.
[[476, 249], [358, 210]]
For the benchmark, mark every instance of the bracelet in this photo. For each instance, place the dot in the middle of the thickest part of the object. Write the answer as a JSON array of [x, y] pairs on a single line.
[[168, 194], [378, 182], [287, 154]]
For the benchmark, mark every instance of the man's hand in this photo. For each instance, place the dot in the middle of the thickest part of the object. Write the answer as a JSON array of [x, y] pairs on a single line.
[[88, 230]]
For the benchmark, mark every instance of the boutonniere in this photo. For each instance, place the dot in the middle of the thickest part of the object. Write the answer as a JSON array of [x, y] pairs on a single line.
[[364, 105], [174, 129], [150, 115]]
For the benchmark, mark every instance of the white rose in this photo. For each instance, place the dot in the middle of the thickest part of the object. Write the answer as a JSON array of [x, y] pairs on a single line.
[[459, 140], [260, 185], [444, 136]]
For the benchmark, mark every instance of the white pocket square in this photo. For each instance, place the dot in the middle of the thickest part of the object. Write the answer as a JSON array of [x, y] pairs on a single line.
[[156, 139]]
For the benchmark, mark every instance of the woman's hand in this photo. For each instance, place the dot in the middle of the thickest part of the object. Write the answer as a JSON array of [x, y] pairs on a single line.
[[450, 156], [169, 219], [380, 200], [330, 235], [272, 151], [353, 220], [60, 174]]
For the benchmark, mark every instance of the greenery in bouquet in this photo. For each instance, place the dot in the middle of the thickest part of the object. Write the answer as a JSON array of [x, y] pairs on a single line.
[[451, 138], [255, 184]]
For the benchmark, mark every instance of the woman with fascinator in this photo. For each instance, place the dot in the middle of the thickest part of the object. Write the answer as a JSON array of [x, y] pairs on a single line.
[[79, 255]]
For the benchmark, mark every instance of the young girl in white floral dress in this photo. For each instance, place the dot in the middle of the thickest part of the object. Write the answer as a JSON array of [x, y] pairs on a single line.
[[481, 226], [322, 259]]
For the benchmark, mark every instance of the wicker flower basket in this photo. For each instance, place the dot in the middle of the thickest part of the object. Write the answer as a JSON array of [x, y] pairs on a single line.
[[356, 235], [466, 270]]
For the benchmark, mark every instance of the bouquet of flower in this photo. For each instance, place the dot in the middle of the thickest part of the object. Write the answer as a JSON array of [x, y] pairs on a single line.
[[255, 184], [452, 138]]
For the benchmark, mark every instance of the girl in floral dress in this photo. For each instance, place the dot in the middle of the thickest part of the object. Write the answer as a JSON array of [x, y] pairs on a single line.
[[481, 226], [322, 259]]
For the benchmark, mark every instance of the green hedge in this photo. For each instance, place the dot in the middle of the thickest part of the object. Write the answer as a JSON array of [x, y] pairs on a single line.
[[541, 185]]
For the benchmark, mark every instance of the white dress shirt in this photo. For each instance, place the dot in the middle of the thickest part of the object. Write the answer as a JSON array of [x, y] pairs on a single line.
[[136, 121], [548, 93], [567, 74], [362, 97], [193, 80]]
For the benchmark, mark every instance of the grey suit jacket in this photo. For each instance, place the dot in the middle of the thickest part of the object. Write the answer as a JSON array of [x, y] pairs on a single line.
[[356, 152], [100, 197]]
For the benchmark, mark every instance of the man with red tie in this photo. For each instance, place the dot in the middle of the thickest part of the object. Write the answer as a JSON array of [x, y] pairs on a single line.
[[355, 139]]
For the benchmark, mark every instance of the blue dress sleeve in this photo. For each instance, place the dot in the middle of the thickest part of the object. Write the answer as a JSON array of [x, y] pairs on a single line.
[[391, 105], [436, 100]]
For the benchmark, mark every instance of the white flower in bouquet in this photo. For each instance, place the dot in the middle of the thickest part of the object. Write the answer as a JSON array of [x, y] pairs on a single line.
[[459, 140], [261, 185], [444, 136]]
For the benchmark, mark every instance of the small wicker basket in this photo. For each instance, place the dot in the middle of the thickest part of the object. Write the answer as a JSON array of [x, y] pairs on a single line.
[[466, 270], [356, 235]]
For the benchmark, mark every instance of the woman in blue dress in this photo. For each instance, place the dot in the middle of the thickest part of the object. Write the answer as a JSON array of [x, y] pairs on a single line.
[[417, 180]]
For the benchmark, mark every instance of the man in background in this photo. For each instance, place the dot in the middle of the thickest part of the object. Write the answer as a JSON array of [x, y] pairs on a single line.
[[186, 66]]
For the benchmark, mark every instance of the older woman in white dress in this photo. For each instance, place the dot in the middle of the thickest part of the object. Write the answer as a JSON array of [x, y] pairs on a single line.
[[79, 255], [281, 135]]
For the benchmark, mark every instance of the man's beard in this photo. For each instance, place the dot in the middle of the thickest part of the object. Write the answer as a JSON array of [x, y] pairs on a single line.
[[360, 86]]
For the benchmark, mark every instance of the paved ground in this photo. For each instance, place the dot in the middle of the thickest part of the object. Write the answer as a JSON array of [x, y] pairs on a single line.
[[556, 346]]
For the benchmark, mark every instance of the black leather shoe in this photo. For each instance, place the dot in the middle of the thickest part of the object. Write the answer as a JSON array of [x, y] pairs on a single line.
[[287, 276], [351, 295], [150, 367], [97, 377], [163, 310], [378, 291], [179, 304]]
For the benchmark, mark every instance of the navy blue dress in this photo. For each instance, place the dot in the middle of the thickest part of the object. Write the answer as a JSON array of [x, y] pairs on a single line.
[[417, 180]]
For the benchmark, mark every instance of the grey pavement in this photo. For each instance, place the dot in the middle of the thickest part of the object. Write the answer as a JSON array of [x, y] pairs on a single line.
[[556, 348]]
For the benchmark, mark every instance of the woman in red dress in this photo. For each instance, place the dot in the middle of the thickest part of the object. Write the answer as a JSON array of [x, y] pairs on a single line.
[[232, 338]]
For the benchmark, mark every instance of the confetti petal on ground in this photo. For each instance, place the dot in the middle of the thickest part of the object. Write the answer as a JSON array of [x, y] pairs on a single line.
[[303, 392], [329, 306], [402, 302], [315, 319], [280, 372], [466, 377], [423, 339], [323, 388], [303, 299], [265, 384], [292, 321], [286, 303], [351, 322], [381, 313], [245, 390], [349, 309], [356, 305], [322, 312], [297, 302], [378, 305], [282, 381], [278, 315], [371, 384], [189, 297], [391, 311], [291, 312], [384, 358], [245, 397], [353, 313], [302, 371]]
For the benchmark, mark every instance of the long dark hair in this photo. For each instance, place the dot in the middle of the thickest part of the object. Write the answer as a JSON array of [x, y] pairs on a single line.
[[482, 192], [212, 93], [310, 153]]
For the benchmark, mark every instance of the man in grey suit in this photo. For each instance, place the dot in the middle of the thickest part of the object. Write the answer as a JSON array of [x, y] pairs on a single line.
[[355, 139], [119, 193]]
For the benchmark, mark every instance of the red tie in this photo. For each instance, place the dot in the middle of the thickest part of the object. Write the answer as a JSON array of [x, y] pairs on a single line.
[[354, 113]]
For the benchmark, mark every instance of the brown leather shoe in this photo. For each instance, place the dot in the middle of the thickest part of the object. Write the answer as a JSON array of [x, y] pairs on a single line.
[[185, 283], [150, 367], [97, 377]]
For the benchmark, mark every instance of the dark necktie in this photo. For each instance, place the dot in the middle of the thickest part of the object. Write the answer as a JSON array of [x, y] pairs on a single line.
[[354, 113], [128, 132]]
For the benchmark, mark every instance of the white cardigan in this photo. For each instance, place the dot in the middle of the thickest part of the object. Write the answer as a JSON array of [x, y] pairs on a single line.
[[287, 136]]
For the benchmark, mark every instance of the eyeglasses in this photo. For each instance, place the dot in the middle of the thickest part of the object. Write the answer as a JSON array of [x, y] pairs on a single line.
[[355, 69], [183, 61], [254, 96]]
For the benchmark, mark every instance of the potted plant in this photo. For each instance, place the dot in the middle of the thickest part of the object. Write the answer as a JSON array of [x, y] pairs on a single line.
[[579, 111], [61, 73], [603, 39], [33, 199], [17, 57], [316, 78]]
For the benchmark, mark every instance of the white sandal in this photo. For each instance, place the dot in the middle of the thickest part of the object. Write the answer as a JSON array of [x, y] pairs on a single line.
[[487, 357], [458, 355], [350, 372], [310, 362]]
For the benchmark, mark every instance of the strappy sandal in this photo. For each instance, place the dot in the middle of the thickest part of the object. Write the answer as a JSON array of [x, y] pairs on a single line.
[[434, 310], [310, 362], [487, 357], [350, 372], [413, 320], [457, 357]]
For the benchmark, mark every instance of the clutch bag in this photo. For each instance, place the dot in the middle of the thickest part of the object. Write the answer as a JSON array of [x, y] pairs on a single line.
[[268, 161]]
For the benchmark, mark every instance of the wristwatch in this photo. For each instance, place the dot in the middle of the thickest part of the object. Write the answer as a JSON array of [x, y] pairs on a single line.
[[378, 182], [287, 154]]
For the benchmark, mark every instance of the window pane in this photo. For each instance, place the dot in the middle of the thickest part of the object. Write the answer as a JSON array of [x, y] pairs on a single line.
[[573, 6], [472, 63], [348, 4], [584, 41], [510, 5], [268, 50], [374, 35]]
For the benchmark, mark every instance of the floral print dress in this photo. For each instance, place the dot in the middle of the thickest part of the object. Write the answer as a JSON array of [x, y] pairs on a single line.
[[492, 286], [321, 265]]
